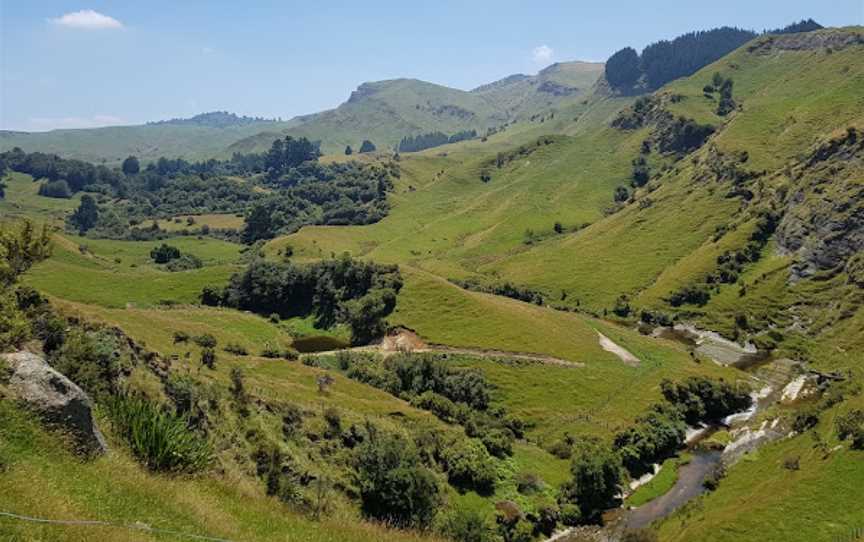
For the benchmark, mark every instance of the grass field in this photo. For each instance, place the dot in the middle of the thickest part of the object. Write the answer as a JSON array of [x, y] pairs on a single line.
[[120, 273], [215, 221]]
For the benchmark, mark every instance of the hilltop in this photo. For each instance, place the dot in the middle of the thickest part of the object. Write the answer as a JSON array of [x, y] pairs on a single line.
[[383, 112]]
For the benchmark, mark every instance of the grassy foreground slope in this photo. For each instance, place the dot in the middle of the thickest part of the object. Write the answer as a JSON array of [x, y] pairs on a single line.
[[227, 507]]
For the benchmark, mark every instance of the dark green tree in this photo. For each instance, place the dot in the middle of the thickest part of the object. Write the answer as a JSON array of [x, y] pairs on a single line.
[[596, 476], [622, 69], [86, 215], [348, 150], [131, 166], [367, 146], [394, 486]]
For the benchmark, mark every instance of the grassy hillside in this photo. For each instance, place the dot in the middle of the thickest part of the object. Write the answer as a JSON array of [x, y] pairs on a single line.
[[386, 111], [113, 144]]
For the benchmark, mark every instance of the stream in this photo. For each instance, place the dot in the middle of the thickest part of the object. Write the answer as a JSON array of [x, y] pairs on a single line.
[[774, 378]]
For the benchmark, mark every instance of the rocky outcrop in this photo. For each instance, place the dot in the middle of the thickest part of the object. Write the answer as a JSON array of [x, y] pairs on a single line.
[[823, 225], [58, 400], [834, 39]]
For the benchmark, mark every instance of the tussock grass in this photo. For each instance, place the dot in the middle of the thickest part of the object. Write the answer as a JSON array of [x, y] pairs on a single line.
[[159, 439]]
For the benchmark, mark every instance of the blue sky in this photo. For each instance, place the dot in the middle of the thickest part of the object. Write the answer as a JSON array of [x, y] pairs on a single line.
[[74, 64]]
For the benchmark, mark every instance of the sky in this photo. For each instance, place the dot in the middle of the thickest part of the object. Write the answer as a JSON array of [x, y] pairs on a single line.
[[95, 63]]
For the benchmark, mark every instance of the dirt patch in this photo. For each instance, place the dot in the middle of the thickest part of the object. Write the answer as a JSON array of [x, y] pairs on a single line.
[[402, 339], [608, 345]]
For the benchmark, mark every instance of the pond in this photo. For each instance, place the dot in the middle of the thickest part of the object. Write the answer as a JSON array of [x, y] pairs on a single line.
[[318, 343]]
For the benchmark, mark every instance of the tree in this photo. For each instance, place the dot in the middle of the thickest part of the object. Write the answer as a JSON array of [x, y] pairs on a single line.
[[596, 475], [86, 215], [164, 253], [622, 69], [348, 150], [367, 146], [621, 194], [394, 485], [131, 166]]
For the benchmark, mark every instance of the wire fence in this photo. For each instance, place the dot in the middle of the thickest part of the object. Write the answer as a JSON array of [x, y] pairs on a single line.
[[97, 523]]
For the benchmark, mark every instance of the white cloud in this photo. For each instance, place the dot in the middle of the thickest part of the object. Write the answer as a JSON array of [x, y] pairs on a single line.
[[86, 19], [542, 54], [54, 123]]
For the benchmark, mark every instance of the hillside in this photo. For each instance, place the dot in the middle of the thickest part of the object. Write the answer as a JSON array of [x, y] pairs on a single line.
[[192, 139], [386, 111]]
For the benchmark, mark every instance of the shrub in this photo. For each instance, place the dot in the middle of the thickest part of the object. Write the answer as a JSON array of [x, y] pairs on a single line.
[[469, 466], [238, 391], [181, 337], [205, 341], [184, 263], [334, 422], [236, 349], [596, 475], [528, 483], [468, 525], [55, 189], [164, 253], [91, 360], [393, 485], [805, 420], [292, 420], [208, 358], [162, 441], [851, 425]]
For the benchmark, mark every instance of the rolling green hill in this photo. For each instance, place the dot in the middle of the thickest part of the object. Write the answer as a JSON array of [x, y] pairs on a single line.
[[382, 111]]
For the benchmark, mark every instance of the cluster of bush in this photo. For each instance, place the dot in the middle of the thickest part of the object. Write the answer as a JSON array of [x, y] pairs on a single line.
[[505, 289], [722, 86], [453, 394], [335, 194], [173, 259], [341, 290]]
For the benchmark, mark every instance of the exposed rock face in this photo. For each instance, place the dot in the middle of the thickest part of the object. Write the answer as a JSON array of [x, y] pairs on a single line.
[[824, 221], [830, 38], [57, 399]]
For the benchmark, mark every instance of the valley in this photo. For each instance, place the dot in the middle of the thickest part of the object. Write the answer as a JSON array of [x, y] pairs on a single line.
[[609, 305]]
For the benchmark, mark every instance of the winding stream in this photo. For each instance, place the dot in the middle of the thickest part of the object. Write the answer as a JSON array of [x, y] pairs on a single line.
[[773, 376]]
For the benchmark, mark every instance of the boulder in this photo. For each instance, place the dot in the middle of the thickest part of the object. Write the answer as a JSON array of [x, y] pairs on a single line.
[[58, 400]]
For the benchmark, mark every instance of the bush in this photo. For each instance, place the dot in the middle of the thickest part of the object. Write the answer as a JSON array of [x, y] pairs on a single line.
[[208, 358], [467, 525], [162, 441], [205, 341], [595, 483], [181, 337], [164, 253], [528, 483], [469, 466], [236, 349], [55, 189], [91, 360], [393, 485], [334, 422], [851, 425], [184, 263]]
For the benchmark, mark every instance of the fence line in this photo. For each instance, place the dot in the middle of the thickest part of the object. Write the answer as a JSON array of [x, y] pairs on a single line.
[[96, 523]]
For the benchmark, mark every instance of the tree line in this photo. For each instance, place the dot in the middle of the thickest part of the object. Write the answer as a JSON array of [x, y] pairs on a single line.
[[627, 71], [433, 139]]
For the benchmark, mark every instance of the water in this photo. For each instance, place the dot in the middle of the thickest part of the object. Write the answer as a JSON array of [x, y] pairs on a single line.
[[688, 486], [318, 343]]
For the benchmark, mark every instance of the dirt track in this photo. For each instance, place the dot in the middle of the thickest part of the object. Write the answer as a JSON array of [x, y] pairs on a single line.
[[408, 341]]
